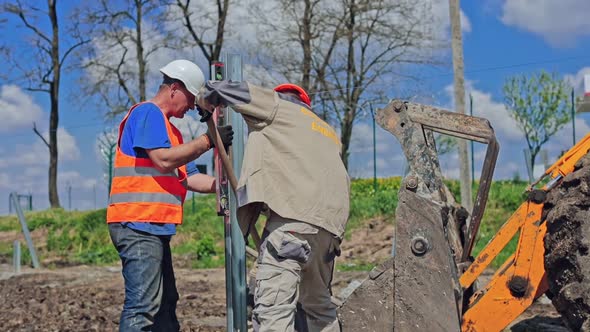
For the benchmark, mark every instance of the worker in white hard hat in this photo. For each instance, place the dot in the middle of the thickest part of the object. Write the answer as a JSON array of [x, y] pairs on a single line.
[[153, 169]]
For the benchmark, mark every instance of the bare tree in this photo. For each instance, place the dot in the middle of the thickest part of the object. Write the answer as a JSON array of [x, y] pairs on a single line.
[[343, 52], [44, 75], [126, 36], [379, 37], [205, 24], [298, 38]]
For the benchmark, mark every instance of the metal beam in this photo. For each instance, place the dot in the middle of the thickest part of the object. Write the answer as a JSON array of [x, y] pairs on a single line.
[[237, 260], [25, 228]]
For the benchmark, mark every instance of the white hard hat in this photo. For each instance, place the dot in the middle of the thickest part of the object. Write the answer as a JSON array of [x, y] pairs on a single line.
[[187, 72]]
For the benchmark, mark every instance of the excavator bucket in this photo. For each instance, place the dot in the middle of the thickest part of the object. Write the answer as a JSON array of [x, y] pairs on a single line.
[[370, 307], [418, 289]]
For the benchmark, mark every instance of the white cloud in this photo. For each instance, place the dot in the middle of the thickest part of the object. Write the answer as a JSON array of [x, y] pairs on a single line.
[[67, 145], [563, 140], [17, 109], [577, 80], [560, 23], [37, 154]]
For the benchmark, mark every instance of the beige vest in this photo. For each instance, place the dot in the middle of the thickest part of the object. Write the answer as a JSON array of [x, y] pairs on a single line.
[[292, 164]]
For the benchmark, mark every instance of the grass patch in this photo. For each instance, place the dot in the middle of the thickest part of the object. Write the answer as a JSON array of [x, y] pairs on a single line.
[[82, 237]]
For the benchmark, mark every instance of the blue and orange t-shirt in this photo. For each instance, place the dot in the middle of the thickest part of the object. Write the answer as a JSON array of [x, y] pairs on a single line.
[[145, 129]]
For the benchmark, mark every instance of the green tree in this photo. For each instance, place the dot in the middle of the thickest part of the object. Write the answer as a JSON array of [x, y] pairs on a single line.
[[540, 106]]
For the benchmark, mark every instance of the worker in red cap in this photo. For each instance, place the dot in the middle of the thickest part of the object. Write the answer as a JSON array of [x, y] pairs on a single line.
[[292, 167], [296, 90]]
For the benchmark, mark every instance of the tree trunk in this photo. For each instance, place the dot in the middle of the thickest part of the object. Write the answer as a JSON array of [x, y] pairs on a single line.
[[140, 57], [306, 45], [534, 153], [54, 115], [222, 11], [345, 136], [349, 113]]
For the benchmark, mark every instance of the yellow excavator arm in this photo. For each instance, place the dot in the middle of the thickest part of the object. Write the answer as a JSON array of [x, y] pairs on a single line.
[[430, 284]]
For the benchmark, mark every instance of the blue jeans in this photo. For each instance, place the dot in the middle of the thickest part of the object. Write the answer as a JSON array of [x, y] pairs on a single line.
[[150, 288]]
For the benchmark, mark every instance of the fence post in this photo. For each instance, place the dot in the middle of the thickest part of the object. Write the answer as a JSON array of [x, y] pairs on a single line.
[[16, 256], [21, 217]]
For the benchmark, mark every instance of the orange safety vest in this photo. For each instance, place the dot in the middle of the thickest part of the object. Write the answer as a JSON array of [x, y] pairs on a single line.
[[139, 192]]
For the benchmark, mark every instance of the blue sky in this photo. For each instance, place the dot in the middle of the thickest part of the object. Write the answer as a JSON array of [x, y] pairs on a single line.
[[501, 38]]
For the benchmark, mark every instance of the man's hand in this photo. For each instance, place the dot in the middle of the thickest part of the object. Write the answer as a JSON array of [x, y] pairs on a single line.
[[205, 115], [226, 133]]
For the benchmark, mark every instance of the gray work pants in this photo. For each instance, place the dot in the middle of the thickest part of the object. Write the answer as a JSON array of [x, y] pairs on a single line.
[[295, 264]]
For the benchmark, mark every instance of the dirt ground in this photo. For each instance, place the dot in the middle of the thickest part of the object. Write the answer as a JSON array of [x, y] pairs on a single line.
[[89, 298]]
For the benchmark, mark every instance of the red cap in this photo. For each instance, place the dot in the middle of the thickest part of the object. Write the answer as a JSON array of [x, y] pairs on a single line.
[[288, 87]]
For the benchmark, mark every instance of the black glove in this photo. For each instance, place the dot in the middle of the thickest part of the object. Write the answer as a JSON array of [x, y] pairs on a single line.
[[205, 116], [226, 133]]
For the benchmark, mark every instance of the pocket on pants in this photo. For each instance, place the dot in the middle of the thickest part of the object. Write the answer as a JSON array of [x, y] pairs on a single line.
[[334, 250], [267, 287], [291, 247]]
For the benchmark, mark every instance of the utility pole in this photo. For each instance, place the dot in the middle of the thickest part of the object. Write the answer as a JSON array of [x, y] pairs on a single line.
[[459, 83]]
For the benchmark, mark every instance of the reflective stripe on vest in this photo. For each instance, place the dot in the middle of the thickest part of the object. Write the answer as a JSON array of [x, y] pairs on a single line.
[[146, 197], [141, 171], [139, 192]]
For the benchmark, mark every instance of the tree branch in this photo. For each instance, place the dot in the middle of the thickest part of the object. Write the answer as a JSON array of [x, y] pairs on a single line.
[[39, 134]]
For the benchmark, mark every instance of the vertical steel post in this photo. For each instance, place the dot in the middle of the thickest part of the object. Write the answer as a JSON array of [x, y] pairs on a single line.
[[235, 248], [218, 72], [238, 259], [25, 228]]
